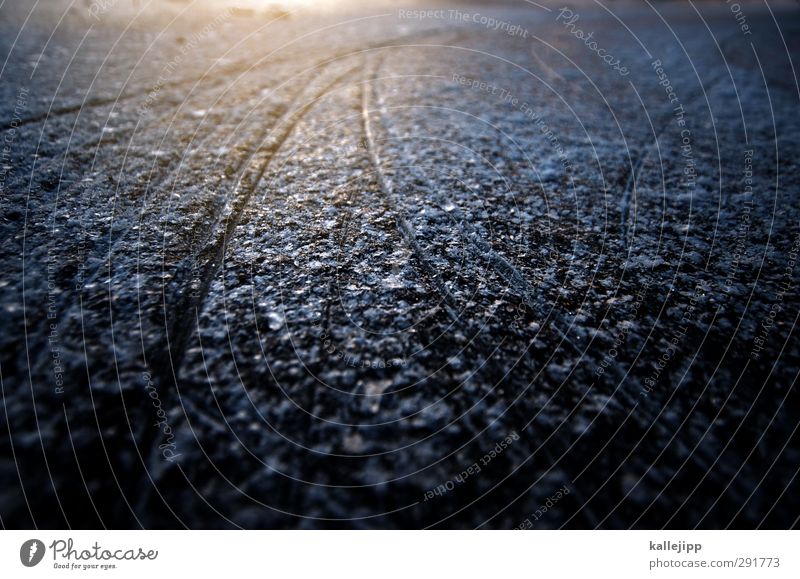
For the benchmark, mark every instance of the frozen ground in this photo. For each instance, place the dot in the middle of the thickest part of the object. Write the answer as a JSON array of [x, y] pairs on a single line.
[[369, 270]]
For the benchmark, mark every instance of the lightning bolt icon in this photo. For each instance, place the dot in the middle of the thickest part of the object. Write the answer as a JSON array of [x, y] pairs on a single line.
[[34, 548]]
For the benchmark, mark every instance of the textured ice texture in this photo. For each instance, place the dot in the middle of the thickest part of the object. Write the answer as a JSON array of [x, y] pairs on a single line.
[[367, 271]]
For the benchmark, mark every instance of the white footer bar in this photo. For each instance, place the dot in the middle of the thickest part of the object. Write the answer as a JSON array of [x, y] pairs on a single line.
[[400, 554]]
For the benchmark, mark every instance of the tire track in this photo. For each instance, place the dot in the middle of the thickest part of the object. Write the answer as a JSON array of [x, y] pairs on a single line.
[[180, 164], [405, 228], [166, 361], [479, 247], [220, 76], [175, 163], [212, 254]]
